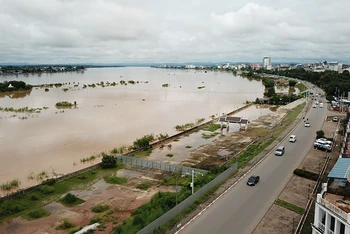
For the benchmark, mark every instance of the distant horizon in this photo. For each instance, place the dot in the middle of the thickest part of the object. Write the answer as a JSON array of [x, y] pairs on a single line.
[[130, 64]]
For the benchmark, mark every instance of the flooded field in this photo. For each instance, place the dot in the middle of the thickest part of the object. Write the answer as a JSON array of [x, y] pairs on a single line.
[[51, 140]]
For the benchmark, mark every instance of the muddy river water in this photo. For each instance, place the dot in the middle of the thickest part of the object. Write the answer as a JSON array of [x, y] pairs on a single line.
[[55, 140]]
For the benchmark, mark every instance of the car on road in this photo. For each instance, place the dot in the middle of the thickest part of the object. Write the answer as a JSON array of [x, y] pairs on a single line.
[[314, 106], [253, 180], [335, 119], [321, 105], [307, 124], [280, 150], [293, 138]]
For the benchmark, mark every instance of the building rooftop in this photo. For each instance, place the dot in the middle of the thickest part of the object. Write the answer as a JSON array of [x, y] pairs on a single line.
[[340, 169]]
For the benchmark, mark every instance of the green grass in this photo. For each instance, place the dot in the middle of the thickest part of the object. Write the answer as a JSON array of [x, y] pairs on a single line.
[[71, 200], [36, 214], [290, 206], [209, 135], [116, 180], [74, 230], [212, 127], [23, 203], [65, 225], [144, 186], [143, 154], [100, 208], [96, 219], [301, 87]]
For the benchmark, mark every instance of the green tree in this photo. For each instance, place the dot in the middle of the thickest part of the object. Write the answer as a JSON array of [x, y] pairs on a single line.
[[108, 161], [292, 83]]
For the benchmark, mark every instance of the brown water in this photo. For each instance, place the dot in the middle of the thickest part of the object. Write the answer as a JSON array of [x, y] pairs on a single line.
[[56, 139]]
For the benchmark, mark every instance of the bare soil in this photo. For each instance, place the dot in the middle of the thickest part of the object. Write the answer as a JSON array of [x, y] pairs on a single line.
[[122, 200]]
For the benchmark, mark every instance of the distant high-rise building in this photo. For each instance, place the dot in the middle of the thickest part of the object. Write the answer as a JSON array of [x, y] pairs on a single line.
[[267, 63]]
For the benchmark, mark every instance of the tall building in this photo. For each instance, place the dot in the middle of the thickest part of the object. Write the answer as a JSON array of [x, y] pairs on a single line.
[[267, 63]]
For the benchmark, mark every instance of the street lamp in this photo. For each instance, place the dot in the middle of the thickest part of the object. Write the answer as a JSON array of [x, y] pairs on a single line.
[[192, 184]]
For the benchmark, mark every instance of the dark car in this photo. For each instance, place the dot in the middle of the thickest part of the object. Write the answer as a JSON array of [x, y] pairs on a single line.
[[253, 180]]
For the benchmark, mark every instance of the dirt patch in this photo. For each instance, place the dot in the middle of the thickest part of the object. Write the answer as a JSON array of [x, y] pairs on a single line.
[[206, 156], [121, 199], [278, 220]]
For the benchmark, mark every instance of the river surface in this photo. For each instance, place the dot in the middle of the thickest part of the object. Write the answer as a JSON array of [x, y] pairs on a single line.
[[55, 140]]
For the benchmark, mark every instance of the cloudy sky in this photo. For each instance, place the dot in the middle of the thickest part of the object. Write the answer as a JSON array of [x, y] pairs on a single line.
[[117, 31]]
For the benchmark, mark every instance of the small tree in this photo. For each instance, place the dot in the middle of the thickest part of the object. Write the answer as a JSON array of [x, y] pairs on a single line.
[[320, 134], [108, 161], [292, 83]]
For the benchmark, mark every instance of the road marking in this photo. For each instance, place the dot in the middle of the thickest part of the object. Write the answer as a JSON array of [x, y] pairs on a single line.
[[222, 194]]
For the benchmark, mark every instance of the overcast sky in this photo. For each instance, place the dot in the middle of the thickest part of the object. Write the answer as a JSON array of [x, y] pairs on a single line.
[[117, 31]]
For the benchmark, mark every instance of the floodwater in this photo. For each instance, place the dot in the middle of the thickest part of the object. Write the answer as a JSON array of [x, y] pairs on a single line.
[[55, 140], [181, 150]]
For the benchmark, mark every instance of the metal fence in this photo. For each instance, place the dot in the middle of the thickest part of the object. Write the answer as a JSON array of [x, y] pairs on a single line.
[[188, 202], [149, 164]]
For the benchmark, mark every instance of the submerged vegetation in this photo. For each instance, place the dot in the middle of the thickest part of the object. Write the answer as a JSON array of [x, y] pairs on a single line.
[[10, 185], [64, 104], [14, 85]]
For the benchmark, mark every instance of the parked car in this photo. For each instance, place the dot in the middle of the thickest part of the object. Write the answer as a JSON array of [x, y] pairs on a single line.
[[324, 141], [314, 106], [335, 119], [293, 138], [280, 150], [321, 105], [253, 180], [326, 147], [307, 124]]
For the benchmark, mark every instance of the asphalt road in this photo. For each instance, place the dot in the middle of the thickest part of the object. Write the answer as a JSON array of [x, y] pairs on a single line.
[[241, 209]]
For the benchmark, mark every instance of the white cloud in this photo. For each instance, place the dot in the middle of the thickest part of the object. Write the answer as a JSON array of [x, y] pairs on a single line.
[[171, 31]]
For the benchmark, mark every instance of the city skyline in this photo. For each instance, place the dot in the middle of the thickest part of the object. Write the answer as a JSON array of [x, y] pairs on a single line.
[[104, 31]]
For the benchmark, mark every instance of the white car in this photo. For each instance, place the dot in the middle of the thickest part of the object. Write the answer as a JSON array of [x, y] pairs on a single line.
[[314, 106], [293, 138], [324, 141], [307, 124]]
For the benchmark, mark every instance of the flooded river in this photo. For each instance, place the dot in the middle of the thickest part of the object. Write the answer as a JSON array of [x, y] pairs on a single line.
[[55, 140]]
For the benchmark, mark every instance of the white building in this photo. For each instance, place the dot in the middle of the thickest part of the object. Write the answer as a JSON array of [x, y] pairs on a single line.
[[332, 207], [267, 63]]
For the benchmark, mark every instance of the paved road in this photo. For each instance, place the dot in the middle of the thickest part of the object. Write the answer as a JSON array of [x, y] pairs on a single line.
[[241, 208]]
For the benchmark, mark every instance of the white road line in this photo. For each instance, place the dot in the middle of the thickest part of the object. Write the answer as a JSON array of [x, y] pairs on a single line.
[[222, 194]]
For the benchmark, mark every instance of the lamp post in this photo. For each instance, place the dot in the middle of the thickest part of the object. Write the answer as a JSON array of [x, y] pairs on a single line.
[[192, 184]]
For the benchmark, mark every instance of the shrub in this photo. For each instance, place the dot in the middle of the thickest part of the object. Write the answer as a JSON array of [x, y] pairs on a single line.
[[64, 104], [320, 134], [109, 161], [144, 186], [10, 185], [34, 197], [49, 182], [71, 200], [143, 142], [99, 208], [115, 180], [65, 224], [37, 213], [11, 207], [306, 174], [46, 189], [169, 155], [96, 219]]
